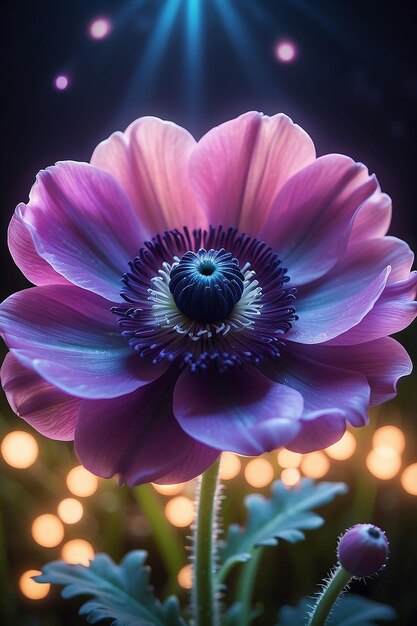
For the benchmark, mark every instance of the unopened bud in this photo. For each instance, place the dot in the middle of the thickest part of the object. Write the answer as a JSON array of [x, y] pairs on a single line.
[[363, 550]]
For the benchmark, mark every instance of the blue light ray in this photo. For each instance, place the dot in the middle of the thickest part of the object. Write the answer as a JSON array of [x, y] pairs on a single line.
[[143, 82], [194, 61], [251, 62], [259, 13]]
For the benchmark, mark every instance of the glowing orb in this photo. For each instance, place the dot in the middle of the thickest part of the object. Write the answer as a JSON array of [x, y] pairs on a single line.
[[168, 490], [70, 510], [409, 479], [30, 588], [285, 51], [77, 551], [61, 82], [286, 458], [290, 476], [81, 482], [315, 465], [180, 511], [259, 473], [19, 449], [342, 449], [100, 28], [383, 462], [185, 577], [47, 530], [230, 466], [391, 436]]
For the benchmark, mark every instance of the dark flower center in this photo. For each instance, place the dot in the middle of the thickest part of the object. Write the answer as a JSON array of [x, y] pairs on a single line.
[[206, 285]]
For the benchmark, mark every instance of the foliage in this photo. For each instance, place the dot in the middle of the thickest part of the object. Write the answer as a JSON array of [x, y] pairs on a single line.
[[119, 592], [284, 516]]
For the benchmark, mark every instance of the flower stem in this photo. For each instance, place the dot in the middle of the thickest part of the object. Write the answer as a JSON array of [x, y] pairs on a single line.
[[338, 581], [246, 585], [205, 606]]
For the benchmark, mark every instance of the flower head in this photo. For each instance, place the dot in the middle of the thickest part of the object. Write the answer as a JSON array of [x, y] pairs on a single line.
[[363, 550], [234, 293]]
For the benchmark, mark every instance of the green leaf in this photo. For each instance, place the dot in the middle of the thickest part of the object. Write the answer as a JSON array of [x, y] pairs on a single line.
[[284, 516], [351, 610], [120, 592]]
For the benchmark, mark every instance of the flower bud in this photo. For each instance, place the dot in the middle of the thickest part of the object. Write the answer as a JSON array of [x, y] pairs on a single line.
[[363, 550]]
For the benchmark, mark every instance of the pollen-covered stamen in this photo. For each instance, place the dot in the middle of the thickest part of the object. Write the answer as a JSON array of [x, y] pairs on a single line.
[[251, 330], [206, 285]]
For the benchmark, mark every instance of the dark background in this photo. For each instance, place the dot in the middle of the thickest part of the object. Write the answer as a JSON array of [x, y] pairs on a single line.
[[353, 87]]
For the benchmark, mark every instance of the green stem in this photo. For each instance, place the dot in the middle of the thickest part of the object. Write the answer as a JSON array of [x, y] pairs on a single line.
[[166, 538], [205, 606], [331, 592], [246, 585]]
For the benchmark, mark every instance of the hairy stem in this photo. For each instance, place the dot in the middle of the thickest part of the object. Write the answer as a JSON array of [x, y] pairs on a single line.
[[338, 581], [246, 584], [205, 605]]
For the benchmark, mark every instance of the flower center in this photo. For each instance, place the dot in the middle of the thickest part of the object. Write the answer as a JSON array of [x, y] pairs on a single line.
[[206, 285]]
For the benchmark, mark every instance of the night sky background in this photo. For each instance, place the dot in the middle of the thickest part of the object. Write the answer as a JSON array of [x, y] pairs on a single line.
[[352, 87]]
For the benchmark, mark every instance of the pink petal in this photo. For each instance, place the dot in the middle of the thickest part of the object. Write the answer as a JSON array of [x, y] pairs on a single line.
[[311, 219], [239, 410], [24, 253], [70, 338], [138, 437], [49, 410], [373, 218], [83, 225], [238, 167], [394, 310], [150, 161]]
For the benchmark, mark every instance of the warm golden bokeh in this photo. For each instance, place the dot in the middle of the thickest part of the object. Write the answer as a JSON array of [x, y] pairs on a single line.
[[81, 482], [180, 511], [77, 551], [70, 510], [391, 436], [185, 577], [259, 473], [230, 466], [409, 479], [342, 449], [286, 458], [168, 490], [30, 588], [315, 465], [19, 449], [48, 530], [383, 462], [290, 476]]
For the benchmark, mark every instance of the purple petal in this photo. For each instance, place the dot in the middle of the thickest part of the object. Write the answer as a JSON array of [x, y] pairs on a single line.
[[373, 218], [83, 225], [50, 411], [392, 312], [383, 362], [70, 337], [325, 387], [238, 167], [311, 219], [320, 429], [239, 410], [138, 437]]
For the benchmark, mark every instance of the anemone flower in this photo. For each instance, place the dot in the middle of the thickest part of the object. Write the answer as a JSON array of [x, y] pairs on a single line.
[[234, 293]]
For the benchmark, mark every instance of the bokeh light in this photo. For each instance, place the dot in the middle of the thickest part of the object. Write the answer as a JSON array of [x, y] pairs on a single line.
[[30, 588], [409, 479], [259, 473], [47, 530], [285, 51], [168, 490], [389, 436], [77, 551], [81, 482], [342, 449], [229, 466], [315, 465], [100, 28], [70, 510], [290, 476], [61, 82], [286, 458], [19, 449], [383, 462], [180, 511], [185, 577]]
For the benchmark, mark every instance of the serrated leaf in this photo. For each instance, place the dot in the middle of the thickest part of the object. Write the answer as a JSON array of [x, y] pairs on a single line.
[[120, 592], [351, 610], [284, 516]]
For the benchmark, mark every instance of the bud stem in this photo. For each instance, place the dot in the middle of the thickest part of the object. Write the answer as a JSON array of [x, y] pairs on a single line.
[[204, 602], [336, 584]]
